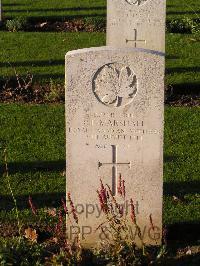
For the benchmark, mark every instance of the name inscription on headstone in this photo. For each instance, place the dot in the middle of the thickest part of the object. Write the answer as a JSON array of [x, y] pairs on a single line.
[[105, 126]]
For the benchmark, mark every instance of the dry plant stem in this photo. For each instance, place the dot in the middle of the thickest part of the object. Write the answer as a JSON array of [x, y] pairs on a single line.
[[11, 191], [33, 209], [26, 84]]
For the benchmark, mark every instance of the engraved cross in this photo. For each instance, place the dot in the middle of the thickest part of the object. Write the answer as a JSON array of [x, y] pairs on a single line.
[[114, 165], [135, 39]]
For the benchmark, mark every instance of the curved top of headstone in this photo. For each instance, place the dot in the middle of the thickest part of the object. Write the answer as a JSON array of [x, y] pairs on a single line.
[[109, 48]]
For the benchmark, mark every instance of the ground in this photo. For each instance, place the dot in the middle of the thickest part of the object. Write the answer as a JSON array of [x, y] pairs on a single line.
[[34, 136]]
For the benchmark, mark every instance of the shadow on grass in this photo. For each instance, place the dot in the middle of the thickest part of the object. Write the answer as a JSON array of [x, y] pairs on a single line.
[[172, 57], [35, 19], [183, 12], [191, 260], [45, 77], [181, 188], [169, 159], [40, 200], [183, 234], [40, 79], [34, 63], [186, 89], [37, 76], [182, 70], [32, 167], [13, 4], [57, 9]]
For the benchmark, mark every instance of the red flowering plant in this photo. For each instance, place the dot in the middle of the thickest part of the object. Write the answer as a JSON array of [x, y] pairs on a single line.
[[117, 240], [68, 250]]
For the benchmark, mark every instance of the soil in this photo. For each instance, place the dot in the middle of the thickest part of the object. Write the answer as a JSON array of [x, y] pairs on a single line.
[[68, 26], [23, 92], [71, 25], [88, 25], [12, 92], [183, 100]]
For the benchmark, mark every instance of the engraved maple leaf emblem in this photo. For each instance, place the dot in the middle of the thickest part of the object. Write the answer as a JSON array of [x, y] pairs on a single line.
[[115, 87], [136, 2], [127, 82]]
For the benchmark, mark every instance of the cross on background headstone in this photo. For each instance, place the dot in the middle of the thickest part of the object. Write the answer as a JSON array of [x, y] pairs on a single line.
[[135, 39], [114, 165]]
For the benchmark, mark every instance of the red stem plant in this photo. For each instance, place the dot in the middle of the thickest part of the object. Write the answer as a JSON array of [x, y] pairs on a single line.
[[118, 220], [73, 210], [32, 206]]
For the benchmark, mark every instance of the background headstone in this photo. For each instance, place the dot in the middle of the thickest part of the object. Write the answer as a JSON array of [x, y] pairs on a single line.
[[136, 23], [114, 125]]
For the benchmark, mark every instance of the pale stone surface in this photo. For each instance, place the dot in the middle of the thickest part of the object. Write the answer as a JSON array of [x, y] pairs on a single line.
[[114, 125], [136, 23]]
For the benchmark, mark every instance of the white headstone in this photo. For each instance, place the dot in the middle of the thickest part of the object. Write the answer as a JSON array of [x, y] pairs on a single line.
[[136, 23], [114, 125]]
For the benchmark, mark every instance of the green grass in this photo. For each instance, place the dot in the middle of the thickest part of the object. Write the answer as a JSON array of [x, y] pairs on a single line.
[[38, 9], [42, 54], [51, 9], [182, 60], [183, 8], [181, 168], [35, 139]]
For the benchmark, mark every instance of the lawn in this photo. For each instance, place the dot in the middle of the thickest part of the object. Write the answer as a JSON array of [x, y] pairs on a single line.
[[65, 9], [42, 54], [182, 8], [38, 9]]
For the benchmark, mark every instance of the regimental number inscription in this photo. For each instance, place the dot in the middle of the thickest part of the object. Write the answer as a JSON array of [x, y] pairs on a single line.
[[115, 85], [136, 2]]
